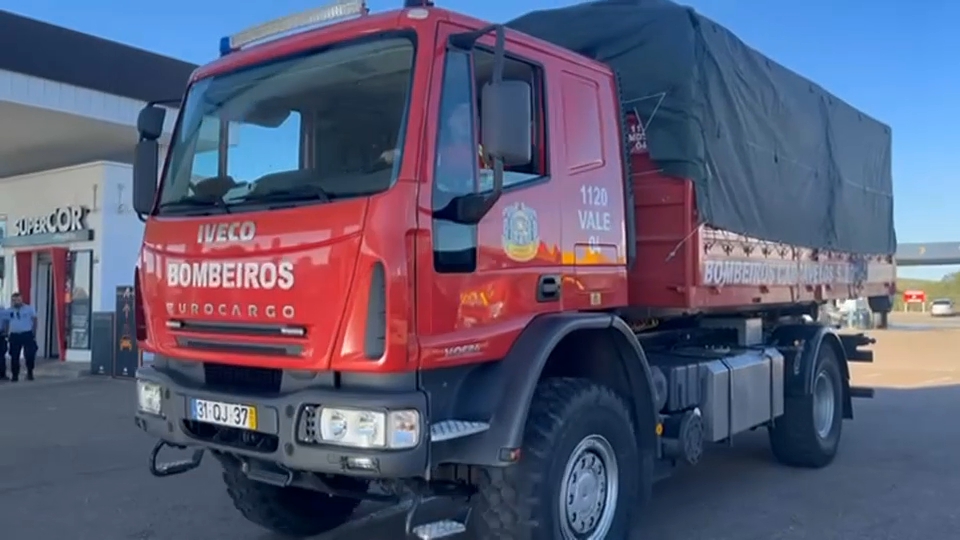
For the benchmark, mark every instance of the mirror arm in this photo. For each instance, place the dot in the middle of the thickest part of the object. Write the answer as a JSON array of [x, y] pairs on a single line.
[[466, 40], [499, 54], [499, 62]]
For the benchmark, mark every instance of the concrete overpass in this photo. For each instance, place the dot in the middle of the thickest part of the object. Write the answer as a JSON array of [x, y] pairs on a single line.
[[928, 254]]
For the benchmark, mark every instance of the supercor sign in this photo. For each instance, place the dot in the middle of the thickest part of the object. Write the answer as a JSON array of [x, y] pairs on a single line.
[[62, 220]]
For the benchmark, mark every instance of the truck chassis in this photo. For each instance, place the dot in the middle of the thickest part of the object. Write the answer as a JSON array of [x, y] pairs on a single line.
[[561, 439]]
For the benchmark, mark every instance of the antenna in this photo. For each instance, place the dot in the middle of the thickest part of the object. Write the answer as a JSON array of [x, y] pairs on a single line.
[[417, 3]]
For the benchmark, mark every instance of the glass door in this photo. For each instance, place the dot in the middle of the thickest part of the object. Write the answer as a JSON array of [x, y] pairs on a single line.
[[46, 312]]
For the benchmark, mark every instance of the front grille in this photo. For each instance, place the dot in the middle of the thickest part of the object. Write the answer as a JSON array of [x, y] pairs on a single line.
[[242, 379], [259, 349]]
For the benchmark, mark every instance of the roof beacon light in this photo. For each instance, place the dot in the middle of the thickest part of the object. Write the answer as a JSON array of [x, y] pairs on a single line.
[[337, 10]]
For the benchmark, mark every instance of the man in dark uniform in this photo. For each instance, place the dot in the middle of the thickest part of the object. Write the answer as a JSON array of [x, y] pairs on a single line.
[[22, 332], [3, 343]]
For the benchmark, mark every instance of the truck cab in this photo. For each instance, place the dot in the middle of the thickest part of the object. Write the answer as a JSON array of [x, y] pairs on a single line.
[[350, 215], [384, 260], [341, 188]]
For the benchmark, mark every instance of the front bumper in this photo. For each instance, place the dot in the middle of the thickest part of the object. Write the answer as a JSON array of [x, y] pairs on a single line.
[[277, 423]]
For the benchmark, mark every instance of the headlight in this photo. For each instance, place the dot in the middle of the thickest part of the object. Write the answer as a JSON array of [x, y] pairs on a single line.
[[366, 429], [149, 397]]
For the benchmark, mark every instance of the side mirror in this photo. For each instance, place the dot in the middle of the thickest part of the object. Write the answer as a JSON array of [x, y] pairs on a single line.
[[501, 99], [145, 175], [150, 122], [507, 117], [145, 157]]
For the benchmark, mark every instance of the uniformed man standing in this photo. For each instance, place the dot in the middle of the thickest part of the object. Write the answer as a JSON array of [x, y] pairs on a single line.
[[3, 343], [22, 332]]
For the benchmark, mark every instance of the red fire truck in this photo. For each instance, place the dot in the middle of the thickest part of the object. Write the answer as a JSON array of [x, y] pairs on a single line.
[[412, 255]]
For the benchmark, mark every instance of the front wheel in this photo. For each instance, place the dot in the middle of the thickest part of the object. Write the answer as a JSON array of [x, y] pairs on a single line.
[[808, 433], [577, 478], [290, 511]]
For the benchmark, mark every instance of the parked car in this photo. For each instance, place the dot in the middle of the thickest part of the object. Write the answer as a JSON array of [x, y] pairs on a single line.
[[942, 307]]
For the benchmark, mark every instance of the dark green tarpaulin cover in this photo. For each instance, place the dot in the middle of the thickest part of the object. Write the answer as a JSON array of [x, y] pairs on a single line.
[[772, 154]]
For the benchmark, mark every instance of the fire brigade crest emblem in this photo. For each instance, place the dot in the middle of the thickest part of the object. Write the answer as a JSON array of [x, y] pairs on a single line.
[[521, 232]]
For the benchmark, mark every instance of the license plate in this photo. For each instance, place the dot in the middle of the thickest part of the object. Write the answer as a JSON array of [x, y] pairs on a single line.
[[223, 414]]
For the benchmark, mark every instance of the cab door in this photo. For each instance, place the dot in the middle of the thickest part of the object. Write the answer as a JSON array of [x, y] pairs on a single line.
[[478, 285]]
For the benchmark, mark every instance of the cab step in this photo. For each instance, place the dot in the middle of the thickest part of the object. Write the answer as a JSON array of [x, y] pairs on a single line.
[[447, 430], [439, 529]]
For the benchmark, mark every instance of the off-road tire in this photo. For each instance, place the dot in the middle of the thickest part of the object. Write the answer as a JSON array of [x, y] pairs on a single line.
[[289, 511], [520, 502], [793, 437]]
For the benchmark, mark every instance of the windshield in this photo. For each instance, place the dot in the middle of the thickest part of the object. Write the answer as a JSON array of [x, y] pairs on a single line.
[[311, 129]]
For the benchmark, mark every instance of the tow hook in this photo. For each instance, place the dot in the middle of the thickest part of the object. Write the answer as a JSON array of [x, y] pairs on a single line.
[[173, 467]]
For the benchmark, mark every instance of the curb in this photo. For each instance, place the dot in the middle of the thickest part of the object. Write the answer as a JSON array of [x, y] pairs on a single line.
[[64, 370]]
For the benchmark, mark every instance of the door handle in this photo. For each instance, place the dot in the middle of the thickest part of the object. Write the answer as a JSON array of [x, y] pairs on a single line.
[[548, 288]]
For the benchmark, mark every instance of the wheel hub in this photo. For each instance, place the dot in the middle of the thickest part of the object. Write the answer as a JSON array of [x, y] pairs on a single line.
[[824, 404], [589, 490]]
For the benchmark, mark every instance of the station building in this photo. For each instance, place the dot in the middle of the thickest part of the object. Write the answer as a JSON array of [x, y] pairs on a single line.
[[68, 110]]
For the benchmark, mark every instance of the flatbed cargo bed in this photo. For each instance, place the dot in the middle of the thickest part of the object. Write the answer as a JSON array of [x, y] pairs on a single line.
[[684, 267]]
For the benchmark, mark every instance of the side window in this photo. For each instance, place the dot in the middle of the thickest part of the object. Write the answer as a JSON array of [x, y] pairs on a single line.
[[455, 169], [461, 166], [515, 70]]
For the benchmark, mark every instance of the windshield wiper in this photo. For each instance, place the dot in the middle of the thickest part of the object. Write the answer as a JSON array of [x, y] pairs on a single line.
[[308, 192], [196, 201]]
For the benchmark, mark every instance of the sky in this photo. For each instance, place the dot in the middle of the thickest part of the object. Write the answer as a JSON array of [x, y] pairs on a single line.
[[895, 60]]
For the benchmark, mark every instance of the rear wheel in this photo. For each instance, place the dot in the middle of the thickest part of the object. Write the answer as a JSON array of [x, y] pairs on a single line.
[[808, 433], [290, 511], [577, 478]]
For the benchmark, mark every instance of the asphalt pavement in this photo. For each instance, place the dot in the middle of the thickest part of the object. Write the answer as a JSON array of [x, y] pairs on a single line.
[[72, 465]]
